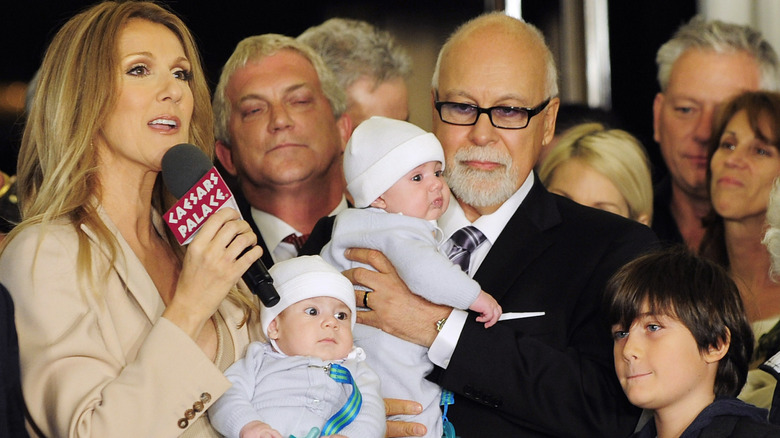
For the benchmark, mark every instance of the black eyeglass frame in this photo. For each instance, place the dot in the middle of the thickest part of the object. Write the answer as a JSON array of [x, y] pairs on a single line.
[[489, 111]]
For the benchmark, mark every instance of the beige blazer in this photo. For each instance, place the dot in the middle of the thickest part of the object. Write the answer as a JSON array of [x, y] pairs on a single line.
[[98, 360]]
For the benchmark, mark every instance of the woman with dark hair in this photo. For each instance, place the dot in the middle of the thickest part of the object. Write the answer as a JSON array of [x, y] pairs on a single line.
[[121, 331], [744, 161]]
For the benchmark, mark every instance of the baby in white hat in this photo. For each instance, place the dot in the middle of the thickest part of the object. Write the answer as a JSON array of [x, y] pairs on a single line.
[[394, 174], [298, 380], [392, 166]]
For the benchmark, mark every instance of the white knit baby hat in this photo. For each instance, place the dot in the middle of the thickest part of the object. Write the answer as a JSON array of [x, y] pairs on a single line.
[[383, 150], [306, 277]]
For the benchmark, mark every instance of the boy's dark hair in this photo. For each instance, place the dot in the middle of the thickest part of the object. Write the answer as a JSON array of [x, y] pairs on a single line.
[[676, 283]]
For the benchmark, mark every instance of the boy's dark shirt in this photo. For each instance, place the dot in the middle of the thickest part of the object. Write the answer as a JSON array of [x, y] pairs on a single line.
[[725, 417]]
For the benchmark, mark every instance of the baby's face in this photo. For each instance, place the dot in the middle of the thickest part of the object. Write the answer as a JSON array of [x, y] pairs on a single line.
[[420, 193], [319, 327]]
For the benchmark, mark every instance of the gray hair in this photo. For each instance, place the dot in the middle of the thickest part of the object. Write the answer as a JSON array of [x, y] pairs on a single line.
[[512, 25], [719, 37], [354, 48], [257, 47]]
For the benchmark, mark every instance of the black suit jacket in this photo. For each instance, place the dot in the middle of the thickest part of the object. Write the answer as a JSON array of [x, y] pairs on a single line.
[[548, 376], [11, 402], [246, 213], [664, 225]]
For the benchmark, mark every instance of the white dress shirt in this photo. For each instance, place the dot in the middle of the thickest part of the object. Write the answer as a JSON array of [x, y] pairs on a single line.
[[491, 225], [275, 229]]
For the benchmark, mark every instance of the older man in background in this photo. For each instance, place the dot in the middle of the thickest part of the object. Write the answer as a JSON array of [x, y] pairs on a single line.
[[368, 63], [701, 66]]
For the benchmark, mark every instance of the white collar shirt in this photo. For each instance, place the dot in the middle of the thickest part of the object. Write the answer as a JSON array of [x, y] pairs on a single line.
[[491, 225], [275, 229]]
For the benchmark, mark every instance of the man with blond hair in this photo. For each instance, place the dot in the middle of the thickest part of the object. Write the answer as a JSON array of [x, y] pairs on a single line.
[[281, 131]]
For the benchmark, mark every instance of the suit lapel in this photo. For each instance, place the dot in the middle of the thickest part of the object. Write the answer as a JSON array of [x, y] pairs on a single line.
[[130, 269], [522, 240], [319, 236], [246, 213]]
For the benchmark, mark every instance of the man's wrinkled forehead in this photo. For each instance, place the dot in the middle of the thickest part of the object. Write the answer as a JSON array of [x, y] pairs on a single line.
[[511, 66]]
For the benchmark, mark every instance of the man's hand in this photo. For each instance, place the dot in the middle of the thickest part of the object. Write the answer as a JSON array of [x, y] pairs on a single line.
[[401, 428], [394, 308], [258, 429]]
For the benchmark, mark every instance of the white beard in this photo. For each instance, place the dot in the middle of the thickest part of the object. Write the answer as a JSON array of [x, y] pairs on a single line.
[[481, 188]]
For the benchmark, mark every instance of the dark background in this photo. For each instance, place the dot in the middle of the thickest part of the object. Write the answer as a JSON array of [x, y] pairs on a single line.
[[637, 28]]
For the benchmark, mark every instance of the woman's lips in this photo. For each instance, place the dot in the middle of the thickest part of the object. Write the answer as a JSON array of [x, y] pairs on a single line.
[[729, 181], [165, 124]]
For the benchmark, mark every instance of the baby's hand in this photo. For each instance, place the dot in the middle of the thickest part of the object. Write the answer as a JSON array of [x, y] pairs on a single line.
[[258, 429], [488, 308]]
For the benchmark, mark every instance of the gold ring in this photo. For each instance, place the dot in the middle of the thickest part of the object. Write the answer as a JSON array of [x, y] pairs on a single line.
[[365, 299]]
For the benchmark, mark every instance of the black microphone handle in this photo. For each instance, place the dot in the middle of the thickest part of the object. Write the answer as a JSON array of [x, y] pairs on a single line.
[[260, 282]]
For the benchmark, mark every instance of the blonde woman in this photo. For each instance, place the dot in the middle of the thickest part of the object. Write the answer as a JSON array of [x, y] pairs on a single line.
[[601, 168], [121, 332]]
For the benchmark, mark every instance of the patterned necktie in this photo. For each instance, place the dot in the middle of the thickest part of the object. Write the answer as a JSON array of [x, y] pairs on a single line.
[[296, 241], [464, 241], [351, 408]]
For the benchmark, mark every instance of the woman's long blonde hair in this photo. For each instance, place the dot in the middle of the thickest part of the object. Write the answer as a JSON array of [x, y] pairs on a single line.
[[76, 91], [614, 153]]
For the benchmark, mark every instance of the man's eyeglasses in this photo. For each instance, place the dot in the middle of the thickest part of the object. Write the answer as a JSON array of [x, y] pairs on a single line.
[[505, 117]]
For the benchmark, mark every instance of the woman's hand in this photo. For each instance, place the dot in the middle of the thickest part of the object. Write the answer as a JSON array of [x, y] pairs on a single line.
[[395, 406], [394, 308], [211, 268]]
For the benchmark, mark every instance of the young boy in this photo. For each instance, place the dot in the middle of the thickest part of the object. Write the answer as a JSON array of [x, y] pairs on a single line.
[[394, 174], [682, 346], [301, 379]]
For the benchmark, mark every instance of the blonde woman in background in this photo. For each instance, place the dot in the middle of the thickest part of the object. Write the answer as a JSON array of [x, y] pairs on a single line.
[[121, 331], [601, 168]]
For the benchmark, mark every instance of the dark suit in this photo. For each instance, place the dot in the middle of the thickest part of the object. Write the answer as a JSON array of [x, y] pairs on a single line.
[[319, 236], [246, 213], [11, 403], [664, 225], [550, 376]]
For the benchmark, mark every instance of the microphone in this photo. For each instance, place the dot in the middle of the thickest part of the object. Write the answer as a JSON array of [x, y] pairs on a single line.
[[190, 176]]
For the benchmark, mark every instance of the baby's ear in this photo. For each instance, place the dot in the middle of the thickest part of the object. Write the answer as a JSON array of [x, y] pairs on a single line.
[[716, 352], [273, 331], [379, 203]]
